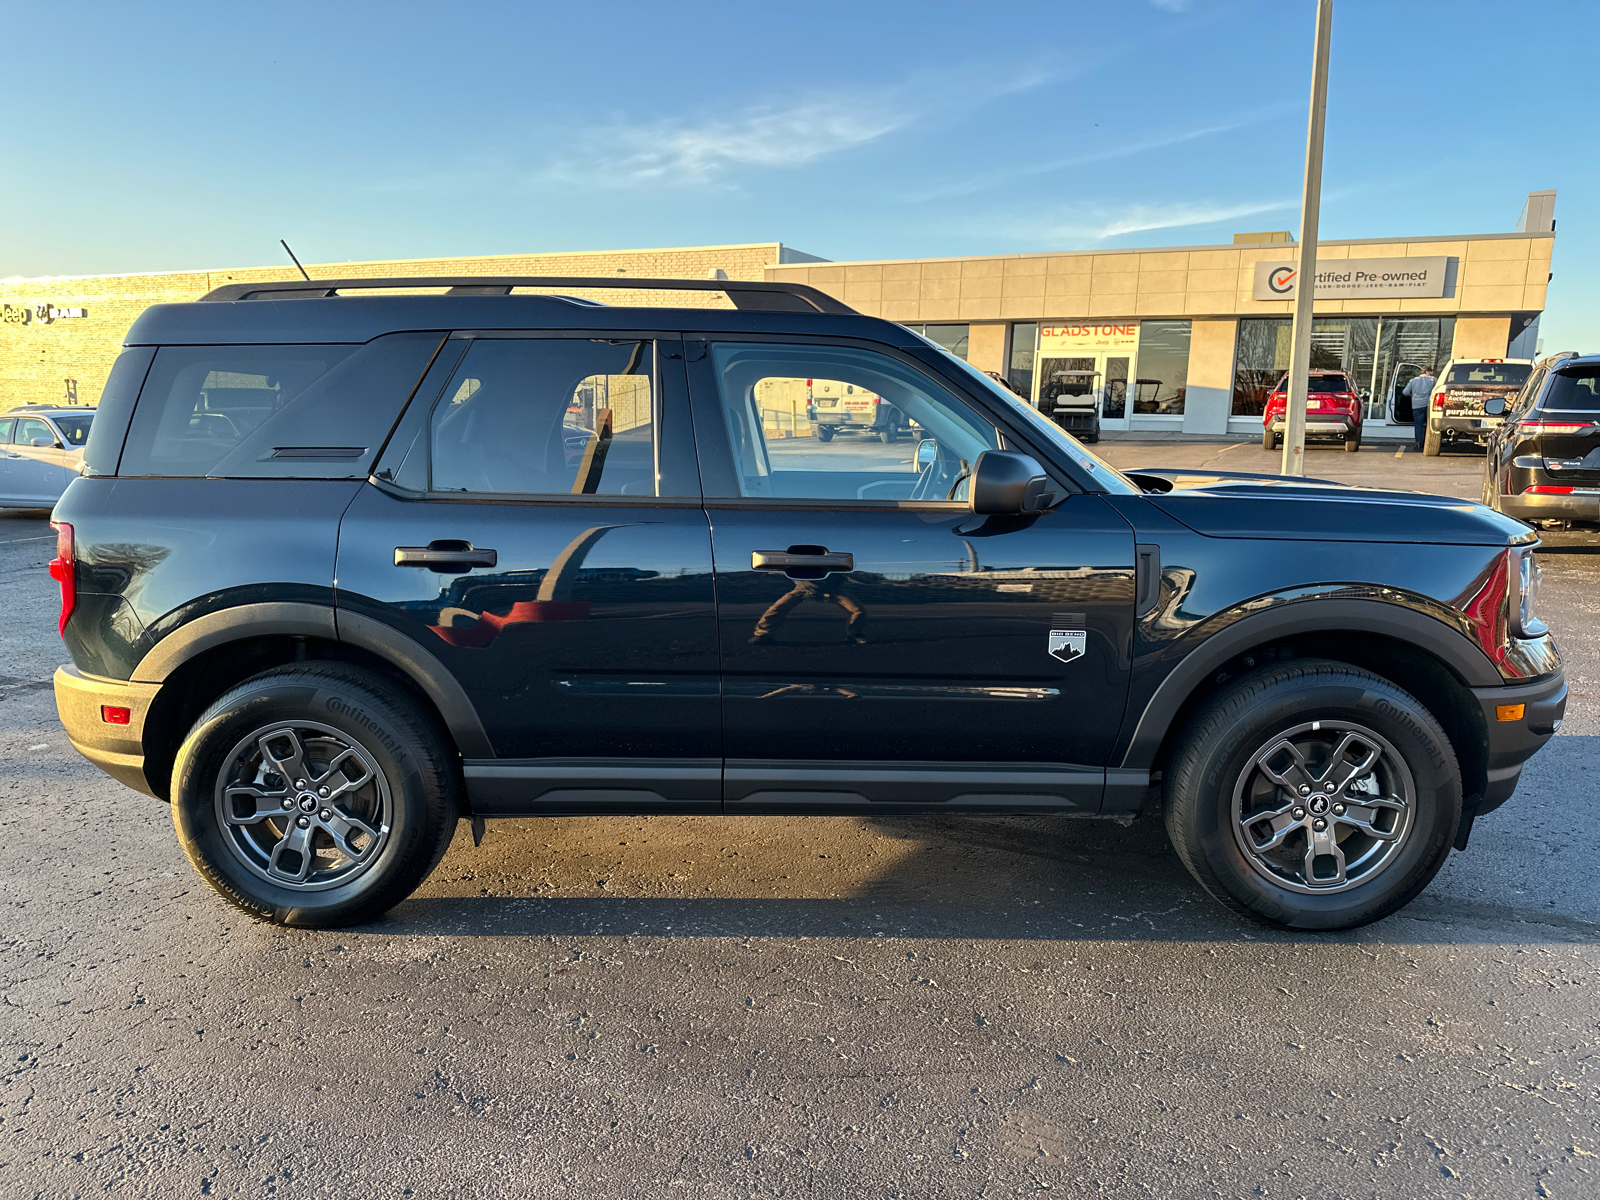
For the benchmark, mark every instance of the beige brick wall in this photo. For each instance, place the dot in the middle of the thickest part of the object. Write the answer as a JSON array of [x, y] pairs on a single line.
[[1495, 273], [37, 358]]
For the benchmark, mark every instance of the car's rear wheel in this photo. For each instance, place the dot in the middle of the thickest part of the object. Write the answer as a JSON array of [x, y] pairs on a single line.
[[1313, 796], [1269, 440], [1352, 444], [1432, 441], [314, 796], [888, 436], [825, 433]]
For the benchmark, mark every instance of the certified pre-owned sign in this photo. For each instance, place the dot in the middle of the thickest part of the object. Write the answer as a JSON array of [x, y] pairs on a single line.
[[1348, 278]]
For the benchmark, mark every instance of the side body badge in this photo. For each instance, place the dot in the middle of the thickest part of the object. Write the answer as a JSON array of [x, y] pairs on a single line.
[[1067, 644]]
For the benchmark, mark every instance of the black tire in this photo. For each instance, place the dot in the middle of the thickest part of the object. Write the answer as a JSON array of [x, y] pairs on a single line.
[[1311, 702], [1269, 440], [1432, 442], [886, 436], [825, 433], [1352, 444], [412, 795]]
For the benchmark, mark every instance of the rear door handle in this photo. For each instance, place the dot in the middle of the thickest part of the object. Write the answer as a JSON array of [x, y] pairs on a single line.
[[806, 559], [448, 556]]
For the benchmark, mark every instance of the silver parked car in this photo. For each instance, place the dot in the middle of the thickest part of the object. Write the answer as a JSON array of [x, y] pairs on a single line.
[[41, 451]]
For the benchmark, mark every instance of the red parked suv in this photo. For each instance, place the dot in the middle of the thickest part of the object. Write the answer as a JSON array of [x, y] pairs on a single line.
[[1333, 410]]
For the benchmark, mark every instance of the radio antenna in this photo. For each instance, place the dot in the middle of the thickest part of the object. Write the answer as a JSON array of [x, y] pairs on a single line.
[[290, 253]]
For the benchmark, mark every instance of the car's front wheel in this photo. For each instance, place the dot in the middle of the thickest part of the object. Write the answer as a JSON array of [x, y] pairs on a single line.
[[1313, 796], [314, 795]]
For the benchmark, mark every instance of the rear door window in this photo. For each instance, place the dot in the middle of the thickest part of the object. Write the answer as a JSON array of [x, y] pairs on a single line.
[[548, 417], [5, 431], [273, 412]]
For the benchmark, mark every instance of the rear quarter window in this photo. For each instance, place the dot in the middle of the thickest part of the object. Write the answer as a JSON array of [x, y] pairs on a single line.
[[272, 412], [1578, 391]]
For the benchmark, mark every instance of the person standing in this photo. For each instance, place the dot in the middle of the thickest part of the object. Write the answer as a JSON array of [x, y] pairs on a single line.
[[1420, 390]]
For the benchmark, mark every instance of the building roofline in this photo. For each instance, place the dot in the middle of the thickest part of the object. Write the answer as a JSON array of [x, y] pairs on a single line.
[[343, 267], [1285, 247]]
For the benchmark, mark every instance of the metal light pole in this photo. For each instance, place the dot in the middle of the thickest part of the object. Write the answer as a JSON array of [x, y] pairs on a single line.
[[1305, 292]]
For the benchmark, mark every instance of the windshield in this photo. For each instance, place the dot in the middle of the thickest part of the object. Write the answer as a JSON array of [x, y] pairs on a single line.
[[74, 428], [1488, 374], [1103, 473]]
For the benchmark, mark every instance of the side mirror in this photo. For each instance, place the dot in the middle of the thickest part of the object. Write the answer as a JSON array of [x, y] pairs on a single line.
[[43, 442], [1495, 406], [1005, 483], [927, 453]]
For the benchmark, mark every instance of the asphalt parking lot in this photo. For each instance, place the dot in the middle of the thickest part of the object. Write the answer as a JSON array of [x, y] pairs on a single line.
[[828, 1007]]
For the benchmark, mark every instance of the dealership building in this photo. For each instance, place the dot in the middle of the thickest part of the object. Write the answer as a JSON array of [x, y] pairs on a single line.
[[1181, 339]]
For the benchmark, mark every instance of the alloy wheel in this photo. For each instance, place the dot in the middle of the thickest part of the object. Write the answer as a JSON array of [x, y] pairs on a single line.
[[1323, 807], [303, 806]]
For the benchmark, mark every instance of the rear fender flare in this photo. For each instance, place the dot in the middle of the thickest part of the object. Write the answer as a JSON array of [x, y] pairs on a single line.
[[1355, 617], [293, 619]]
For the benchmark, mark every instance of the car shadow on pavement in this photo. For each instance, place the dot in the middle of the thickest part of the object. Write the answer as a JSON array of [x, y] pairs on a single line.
[[968, 878]]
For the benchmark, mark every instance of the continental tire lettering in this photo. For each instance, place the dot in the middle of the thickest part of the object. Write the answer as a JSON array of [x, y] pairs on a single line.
[[357, 717], [1405, 719]]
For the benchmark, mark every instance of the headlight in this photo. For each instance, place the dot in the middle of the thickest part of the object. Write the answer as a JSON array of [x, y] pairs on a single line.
[[1525, 576]]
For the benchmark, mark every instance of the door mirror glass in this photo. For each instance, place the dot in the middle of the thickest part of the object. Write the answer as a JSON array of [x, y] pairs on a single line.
[[1005, 483], [1495, 406], [927, 453]]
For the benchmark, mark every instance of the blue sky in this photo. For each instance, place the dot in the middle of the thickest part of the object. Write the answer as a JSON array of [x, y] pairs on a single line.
[[158, 136]]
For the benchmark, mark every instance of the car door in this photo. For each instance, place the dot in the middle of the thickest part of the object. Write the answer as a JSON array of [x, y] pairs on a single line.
[[879, 642], [536, 526], [32, 474]]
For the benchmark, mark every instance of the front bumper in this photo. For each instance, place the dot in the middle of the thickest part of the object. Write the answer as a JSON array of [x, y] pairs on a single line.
[[1512, 743], [118, 750]]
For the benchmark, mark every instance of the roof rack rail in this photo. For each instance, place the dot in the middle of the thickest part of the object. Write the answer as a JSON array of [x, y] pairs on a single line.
[[754, 295]]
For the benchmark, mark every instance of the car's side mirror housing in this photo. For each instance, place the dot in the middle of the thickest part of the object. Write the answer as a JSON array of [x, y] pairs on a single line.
[[1008, 484], [43, 443], [927, 453], [1495, 406]]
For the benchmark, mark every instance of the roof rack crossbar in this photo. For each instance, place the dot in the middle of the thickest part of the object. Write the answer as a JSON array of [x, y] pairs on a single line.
[[756, 295]]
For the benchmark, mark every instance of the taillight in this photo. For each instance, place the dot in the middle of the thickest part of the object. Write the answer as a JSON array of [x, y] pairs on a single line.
[[1544, 489], [63, 569], [1553, 426], [1438, 400]]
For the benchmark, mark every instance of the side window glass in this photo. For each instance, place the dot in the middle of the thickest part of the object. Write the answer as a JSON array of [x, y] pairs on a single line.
[[31, 427], [5, 432], [548, 416], [837, 423]]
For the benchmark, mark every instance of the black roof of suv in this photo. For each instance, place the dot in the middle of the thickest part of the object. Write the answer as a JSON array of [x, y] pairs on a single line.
[[343, 569]]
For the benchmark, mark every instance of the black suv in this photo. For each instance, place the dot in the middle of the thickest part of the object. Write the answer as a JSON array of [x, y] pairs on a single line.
[[1543, 461], [344, 569]]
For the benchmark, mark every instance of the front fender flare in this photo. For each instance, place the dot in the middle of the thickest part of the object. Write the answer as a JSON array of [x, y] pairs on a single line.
[[1286, 620]]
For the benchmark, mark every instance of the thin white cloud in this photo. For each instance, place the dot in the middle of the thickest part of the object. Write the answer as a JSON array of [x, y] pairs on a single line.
[[1171, 6], [1101, 224], [680, 152], [1128, 149]]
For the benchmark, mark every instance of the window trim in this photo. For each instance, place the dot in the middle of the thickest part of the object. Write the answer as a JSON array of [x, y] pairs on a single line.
[[716, 455]]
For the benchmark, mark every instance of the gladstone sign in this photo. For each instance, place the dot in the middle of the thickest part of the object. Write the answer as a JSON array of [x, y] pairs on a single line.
[[1349, 278]]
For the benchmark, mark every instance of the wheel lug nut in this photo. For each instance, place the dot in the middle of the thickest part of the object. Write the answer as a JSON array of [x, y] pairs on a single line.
[[1305, 789], [299, 783], [1299, 813], [1319, 824], [1338, 810], [288, 803], [325, 814], [304, 822], [322, 791]]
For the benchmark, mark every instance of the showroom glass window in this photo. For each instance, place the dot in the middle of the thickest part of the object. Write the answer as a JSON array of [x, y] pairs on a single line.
[[952, 337], [1163, 368], [1024, 351], [1380, 354]]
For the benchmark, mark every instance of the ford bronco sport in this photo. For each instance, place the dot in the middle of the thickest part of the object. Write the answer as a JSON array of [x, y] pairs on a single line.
[[342, 570]]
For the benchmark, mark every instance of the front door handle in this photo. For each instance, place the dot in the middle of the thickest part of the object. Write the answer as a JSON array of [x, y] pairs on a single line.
[[447, 556], [802, 562]]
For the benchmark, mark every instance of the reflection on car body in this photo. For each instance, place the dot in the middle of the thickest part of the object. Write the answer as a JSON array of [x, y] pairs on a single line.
[[41, 451]]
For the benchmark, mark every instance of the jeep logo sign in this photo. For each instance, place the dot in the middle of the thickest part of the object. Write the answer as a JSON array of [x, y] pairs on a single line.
[[1349, 278]]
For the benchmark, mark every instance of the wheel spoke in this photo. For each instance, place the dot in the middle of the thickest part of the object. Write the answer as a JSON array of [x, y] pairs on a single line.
[[349, 784], [1341, 770], [262, 803], [285, 754], [1294, 776], [1283, 822], [1320, 843], [341, 826], [296, 841], [1361, 816]]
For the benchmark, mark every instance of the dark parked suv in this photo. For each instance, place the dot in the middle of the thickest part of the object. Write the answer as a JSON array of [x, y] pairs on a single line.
[[1543, 460], [342, 570]]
